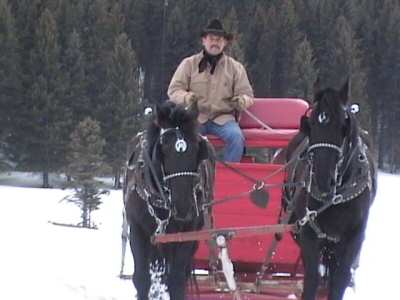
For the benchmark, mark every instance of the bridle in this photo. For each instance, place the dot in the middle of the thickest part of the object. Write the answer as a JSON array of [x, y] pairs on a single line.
[[341, 156], [163, 196], [180, 146], [342, 191]]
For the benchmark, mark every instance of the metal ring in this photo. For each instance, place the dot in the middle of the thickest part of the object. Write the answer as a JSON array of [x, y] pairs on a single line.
[[337, 199], [258, 185]]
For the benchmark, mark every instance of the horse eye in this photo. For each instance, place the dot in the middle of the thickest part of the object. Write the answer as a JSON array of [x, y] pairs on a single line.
[[323, 118]]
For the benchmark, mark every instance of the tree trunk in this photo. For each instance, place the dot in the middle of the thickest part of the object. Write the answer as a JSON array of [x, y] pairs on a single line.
[[45, 180], [85, 217], [117, 181]]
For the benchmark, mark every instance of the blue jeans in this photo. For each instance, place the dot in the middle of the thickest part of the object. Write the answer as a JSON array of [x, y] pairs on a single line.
[[232, 136]]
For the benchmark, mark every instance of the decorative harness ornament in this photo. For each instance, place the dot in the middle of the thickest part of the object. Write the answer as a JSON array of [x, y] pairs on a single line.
[[180, 145]]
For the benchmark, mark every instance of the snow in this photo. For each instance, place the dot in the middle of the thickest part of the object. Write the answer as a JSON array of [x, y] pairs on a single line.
[[39, 260]]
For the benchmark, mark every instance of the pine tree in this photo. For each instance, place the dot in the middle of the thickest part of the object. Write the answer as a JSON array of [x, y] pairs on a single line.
[[260, 50], [70, 19], [102, 23], [10, 81], [347, 62], [46, 114], [275, 49], [388, 76], [177, 44], [318, 18], [287, 38], [73, 66], [304, 72], [144, 22], [231, 24], [85, 157], [120, 115]]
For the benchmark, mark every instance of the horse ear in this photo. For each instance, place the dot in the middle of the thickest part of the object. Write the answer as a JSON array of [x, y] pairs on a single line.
[[203, 150], [317, 86], [344, 92], [305, 125]]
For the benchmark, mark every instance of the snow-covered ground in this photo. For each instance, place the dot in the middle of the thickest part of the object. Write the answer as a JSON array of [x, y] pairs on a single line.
[[39, 260]]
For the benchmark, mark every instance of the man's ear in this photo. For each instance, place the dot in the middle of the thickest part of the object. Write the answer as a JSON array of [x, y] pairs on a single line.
[[305, 125], [203, 150]]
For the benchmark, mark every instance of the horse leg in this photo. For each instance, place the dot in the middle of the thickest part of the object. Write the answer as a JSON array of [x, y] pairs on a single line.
[[310, 253], [180, 268], [346, 253], [140, 246]]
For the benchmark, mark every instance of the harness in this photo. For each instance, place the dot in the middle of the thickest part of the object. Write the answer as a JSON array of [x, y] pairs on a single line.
[[348, 186], [152, 184]]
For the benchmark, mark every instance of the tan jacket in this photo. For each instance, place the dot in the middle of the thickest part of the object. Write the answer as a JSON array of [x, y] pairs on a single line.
[[214, 91]]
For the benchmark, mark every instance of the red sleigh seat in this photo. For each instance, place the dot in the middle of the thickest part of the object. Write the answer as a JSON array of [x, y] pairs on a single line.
[[281, 114]]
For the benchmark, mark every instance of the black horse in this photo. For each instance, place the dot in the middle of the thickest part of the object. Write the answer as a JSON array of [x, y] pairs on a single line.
[[332, 157], [169, 177]]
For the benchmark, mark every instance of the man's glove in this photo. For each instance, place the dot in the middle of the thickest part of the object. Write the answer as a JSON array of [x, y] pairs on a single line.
[[190, 99], [239, 102]]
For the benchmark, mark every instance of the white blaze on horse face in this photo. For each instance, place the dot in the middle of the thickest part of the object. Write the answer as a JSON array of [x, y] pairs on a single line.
[[158, 289]]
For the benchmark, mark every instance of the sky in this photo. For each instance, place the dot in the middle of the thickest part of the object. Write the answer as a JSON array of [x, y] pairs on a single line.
[[39, 260]]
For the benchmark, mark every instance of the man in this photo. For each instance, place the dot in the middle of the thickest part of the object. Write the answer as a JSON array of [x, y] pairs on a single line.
[[219, 85]]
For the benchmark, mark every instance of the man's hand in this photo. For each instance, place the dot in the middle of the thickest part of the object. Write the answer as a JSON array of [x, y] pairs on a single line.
[[239, 102], [190, 99]]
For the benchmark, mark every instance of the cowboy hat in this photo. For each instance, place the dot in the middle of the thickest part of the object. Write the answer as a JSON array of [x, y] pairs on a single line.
[[215, 27]]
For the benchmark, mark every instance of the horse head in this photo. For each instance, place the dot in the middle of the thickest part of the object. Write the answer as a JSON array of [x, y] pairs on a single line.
[[177, 150], [330, 128]]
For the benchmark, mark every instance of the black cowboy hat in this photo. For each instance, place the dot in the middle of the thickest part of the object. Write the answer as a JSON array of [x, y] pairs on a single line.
[[215, 27]]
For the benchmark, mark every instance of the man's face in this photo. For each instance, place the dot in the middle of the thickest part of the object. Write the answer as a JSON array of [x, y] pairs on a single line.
[[214, 44]]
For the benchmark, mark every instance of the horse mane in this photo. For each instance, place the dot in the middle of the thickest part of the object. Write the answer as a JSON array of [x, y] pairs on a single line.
[[327, 100]]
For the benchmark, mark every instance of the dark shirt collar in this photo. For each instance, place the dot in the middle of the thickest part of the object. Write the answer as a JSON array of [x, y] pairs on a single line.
[[210, 59]]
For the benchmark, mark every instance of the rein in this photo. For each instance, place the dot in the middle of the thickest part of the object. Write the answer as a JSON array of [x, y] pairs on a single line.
[[161, 224], [258, 183]]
